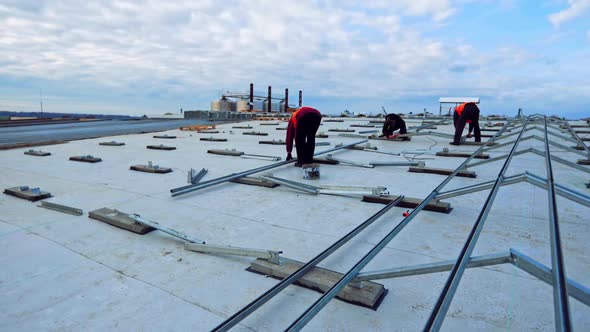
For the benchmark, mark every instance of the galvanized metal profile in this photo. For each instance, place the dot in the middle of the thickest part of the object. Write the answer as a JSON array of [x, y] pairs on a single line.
[[502, 157], [190, 188], [309, 189], [578, 139], [436, 267], [563, 161], [201, 246], [563, 137], [398, 163], [61, 208], [560, 297], [327, 189], [537, 152], [349, 162], [272, 256], [313, 310], [441, 306], [480, 187], [164, 229], [543, 273], [194, 177], [561, 190], [260, 156], [269, 294]]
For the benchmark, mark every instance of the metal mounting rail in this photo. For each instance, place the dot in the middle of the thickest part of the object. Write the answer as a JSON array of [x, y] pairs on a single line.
[[313, 310], [514, 257], [441, 307], [560, 298], [269, 294], [578, 139], [194, 187]]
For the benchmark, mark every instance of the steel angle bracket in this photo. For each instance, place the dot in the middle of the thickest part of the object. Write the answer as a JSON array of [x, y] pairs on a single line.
[[272, 256], [349, 162], [350, 190], [328, 189], [197, 245]]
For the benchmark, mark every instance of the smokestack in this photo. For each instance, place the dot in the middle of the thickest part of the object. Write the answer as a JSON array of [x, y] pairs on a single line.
[[300, 98], [251, 96], [269, 101], [286, 100]]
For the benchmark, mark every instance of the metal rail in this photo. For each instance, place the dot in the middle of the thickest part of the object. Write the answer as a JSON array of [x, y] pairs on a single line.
[[514, 257], [560, 298], [578, 139], [194, 187], [313, 310], [259, 301], [441, 307]]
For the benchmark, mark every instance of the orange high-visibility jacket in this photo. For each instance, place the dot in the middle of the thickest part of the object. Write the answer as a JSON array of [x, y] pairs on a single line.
[[459, 109]]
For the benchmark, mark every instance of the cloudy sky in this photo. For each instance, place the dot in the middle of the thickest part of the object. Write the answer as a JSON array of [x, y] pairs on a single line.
[[153, 57]]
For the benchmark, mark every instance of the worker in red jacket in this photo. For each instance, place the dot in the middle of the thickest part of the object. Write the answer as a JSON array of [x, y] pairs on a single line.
[[466, 113], [302, 127]]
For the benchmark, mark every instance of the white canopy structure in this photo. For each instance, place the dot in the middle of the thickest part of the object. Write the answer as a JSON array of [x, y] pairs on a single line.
[[452, 102]]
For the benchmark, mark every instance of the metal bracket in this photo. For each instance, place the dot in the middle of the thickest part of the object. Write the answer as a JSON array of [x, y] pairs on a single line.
[[61, 208], [194, 177], [349, 162], [270, 255], [200, 246], [327, 189]]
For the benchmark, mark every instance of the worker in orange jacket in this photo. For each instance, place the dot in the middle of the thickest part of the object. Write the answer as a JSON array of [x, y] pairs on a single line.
[[302, 127], [466, 113]]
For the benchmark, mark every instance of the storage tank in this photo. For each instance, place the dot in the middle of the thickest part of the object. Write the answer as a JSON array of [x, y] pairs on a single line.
[[243, 106], [275, 107], [223, 105]]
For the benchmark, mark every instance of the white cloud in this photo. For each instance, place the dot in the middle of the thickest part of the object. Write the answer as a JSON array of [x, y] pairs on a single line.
[[330, 48], [576, 8]]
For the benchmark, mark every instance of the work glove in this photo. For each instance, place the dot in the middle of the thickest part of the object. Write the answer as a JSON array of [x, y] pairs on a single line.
[[289, 157], [394, 136]]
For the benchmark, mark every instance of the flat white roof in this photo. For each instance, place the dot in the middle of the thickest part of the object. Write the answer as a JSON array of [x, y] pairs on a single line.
[[459, 100], [64, 272]]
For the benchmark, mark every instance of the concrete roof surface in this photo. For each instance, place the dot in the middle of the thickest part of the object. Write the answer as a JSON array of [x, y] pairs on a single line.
[[63, 272]]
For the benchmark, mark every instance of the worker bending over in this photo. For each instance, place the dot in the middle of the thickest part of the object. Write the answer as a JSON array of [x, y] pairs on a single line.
[[302, 127], [392, 123], [466, 113]]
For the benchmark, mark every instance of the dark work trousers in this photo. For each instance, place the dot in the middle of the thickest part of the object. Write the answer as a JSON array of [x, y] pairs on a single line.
[[307, 127], [469, 113], [397, 124]]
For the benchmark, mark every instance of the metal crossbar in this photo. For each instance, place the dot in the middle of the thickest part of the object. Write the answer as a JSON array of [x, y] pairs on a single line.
[[554, 276]]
